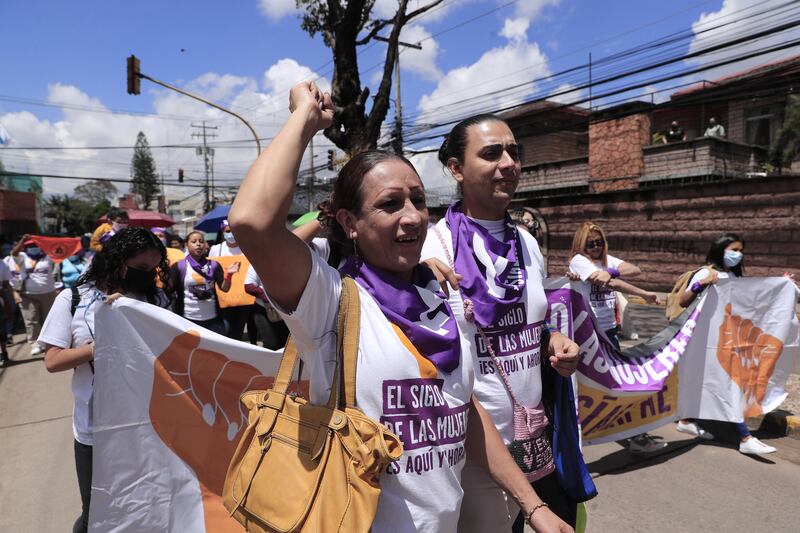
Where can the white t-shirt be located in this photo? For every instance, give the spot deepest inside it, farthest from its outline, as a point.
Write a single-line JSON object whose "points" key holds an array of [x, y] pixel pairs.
{"points": [[194, 308], [15, 271], [515, 342], [602, 299], [251, 278], [5, 272], [223, 250], [64, 330], [703, 273], [427, 409], [322, 247], [40, 276]]}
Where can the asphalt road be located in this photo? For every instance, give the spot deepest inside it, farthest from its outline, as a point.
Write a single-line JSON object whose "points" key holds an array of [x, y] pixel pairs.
{"points": [[690, 486]]}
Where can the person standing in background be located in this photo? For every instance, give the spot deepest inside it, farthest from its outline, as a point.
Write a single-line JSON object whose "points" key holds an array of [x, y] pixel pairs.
{"points": [[117, 220], [38, 289], [235, 317], [714, 129]]}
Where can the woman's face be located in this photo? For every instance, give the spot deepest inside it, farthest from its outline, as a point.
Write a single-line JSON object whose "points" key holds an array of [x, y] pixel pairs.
{"points": [[490, 172], [392, 224], [595, 244], [196, 245], [147, 260], [175, 243], [735, 246]]}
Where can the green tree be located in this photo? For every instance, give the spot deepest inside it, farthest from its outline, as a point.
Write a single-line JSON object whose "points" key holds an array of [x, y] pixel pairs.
{"points": [[346, 25], [144, 182], [786, 146], [73, 216], [95, 192]]}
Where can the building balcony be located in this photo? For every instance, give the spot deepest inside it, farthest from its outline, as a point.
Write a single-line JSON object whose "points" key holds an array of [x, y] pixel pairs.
{"points": [[704, 158], [555, 176]]}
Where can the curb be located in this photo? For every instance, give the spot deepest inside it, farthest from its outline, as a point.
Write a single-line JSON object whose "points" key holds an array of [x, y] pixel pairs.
{"points": [[779, 422]]}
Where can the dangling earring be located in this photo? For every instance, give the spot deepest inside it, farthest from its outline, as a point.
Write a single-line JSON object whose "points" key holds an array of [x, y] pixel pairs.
{"points": [[355, 249]]}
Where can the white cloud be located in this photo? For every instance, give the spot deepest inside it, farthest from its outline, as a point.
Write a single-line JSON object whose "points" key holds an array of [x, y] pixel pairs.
{"points": [[516, 30], [384, 9], [530, 9], [422, 62], [482, 86], [276, 9], [744, 18], [439, 184], [170, 124]]}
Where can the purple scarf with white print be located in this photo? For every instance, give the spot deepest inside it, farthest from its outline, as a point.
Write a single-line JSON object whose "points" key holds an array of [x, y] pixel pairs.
{"points": [[204, 268], [492, 274], [434, 332]]}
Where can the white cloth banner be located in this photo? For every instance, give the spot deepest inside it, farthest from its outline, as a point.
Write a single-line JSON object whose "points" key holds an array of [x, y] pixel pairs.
{"points": [[167, 419], [736, 348]]}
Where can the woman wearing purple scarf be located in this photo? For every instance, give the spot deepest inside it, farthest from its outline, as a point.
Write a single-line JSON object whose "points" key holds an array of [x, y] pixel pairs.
{"points": [[410, 372], [501, 308]]}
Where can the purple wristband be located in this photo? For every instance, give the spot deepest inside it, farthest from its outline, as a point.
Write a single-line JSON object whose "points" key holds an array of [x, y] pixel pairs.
{"points": [[613, 271], [697, 287]]}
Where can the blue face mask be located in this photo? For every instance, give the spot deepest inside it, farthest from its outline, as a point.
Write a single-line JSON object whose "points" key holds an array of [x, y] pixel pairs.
{"points": [[732, 258], [228, 237], [34, 251]]}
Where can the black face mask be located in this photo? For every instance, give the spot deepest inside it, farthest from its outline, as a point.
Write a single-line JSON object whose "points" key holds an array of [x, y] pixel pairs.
{"points": [[137, 280]]}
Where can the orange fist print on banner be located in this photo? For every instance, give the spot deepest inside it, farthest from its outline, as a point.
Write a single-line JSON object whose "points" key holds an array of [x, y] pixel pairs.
{"points": [[195, 410], [749, 355]]}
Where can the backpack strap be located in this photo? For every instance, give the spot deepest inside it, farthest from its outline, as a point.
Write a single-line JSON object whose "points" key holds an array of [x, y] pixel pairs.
{"points": [[76, 299]]}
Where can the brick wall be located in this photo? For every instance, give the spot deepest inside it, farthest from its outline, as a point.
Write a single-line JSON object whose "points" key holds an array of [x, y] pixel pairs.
{"points": [[668, 231], [735, 126], [615, 152], [555, 146], [569, 173], [19, 212]]}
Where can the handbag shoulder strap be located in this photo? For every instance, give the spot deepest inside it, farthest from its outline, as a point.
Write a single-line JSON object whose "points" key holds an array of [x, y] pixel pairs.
{"points": [[347, 349], [347, 346]]}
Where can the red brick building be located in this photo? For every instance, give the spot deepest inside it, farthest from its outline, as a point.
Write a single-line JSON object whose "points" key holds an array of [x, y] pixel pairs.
{"points": [[662, 204], [19, 212]]}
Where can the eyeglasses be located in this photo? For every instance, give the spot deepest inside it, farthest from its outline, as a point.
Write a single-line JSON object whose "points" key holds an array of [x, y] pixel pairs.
{"points": [[599, 243]]}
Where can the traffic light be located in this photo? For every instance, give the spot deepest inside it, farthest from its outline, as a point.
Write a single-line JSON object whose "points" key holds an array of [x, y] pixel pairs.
{"points": [[331, 159], [180, 175], [134, 73]]}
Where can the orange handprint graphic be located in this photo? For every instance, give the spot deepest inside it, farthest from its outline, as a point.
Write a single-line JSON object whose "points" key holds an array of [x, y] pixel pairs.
{"points": [[195, 410], [748, 355]]}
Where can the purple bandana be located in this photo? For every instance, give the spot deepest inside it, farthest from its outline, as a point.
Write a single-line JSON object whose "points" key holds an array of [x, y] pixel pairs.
{"points": [[434, 333], [491, 278], [205, 269]]}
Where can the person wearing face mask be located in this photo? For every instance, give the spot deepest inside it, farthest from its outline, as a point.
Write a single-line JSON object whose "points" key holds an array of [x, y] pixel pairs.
{"points": [[725, 259], [117, 221], [39, 281], [236, 316], [127, 265], [192, 282]]}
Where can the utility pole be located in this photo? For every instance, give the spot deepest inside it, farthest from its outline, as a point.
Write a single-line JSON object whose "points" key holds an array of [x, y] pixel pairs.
{"points": [[207, 154], [398, 118], [311, 177]]}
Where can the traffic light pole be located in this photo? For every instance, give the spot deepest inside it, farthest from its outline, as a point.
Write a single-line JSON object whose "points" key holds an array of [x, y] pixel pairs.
{"points": [[135, 72]]}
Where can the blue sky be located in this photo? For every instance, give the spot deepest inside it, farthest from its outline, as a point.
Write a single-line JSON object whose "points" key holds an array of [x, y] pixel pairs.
{"points": [[248, 53]]}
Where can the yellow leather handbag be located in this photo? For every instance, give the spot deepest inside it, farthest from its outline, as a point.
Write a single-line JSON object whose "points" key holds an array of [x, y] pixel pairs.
{"points": [[309, 468]]}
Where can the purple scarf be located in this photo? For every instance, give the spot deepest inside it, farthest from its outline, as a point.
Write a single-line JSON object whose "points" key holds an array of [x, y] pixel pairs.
{"points": [[434, 333], [205, 269], [487, 266]]}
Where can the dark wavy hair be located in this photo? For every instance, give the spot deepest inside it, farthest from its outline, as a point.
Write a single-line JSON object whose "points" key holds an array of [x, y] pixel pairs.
{"points": [[717, 251], [347, 191], [104, 271]]}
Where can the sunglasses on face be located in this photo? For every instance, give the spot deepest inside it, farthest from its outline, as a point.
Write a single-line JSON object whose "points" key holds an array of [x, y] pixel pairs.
{"points": [[599, 243]]}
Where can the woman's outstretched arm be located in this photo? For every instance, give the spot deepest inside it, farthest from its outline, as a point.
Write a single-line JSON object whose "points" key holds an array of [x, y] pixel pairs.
{"points": [[259, 213]]}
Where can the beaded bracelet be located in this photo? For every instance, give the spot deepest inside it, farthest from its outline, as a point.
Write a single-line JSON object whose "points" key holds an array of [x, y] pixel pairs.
{"points": [[535, 508], [697, 287], [613, 271]]}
